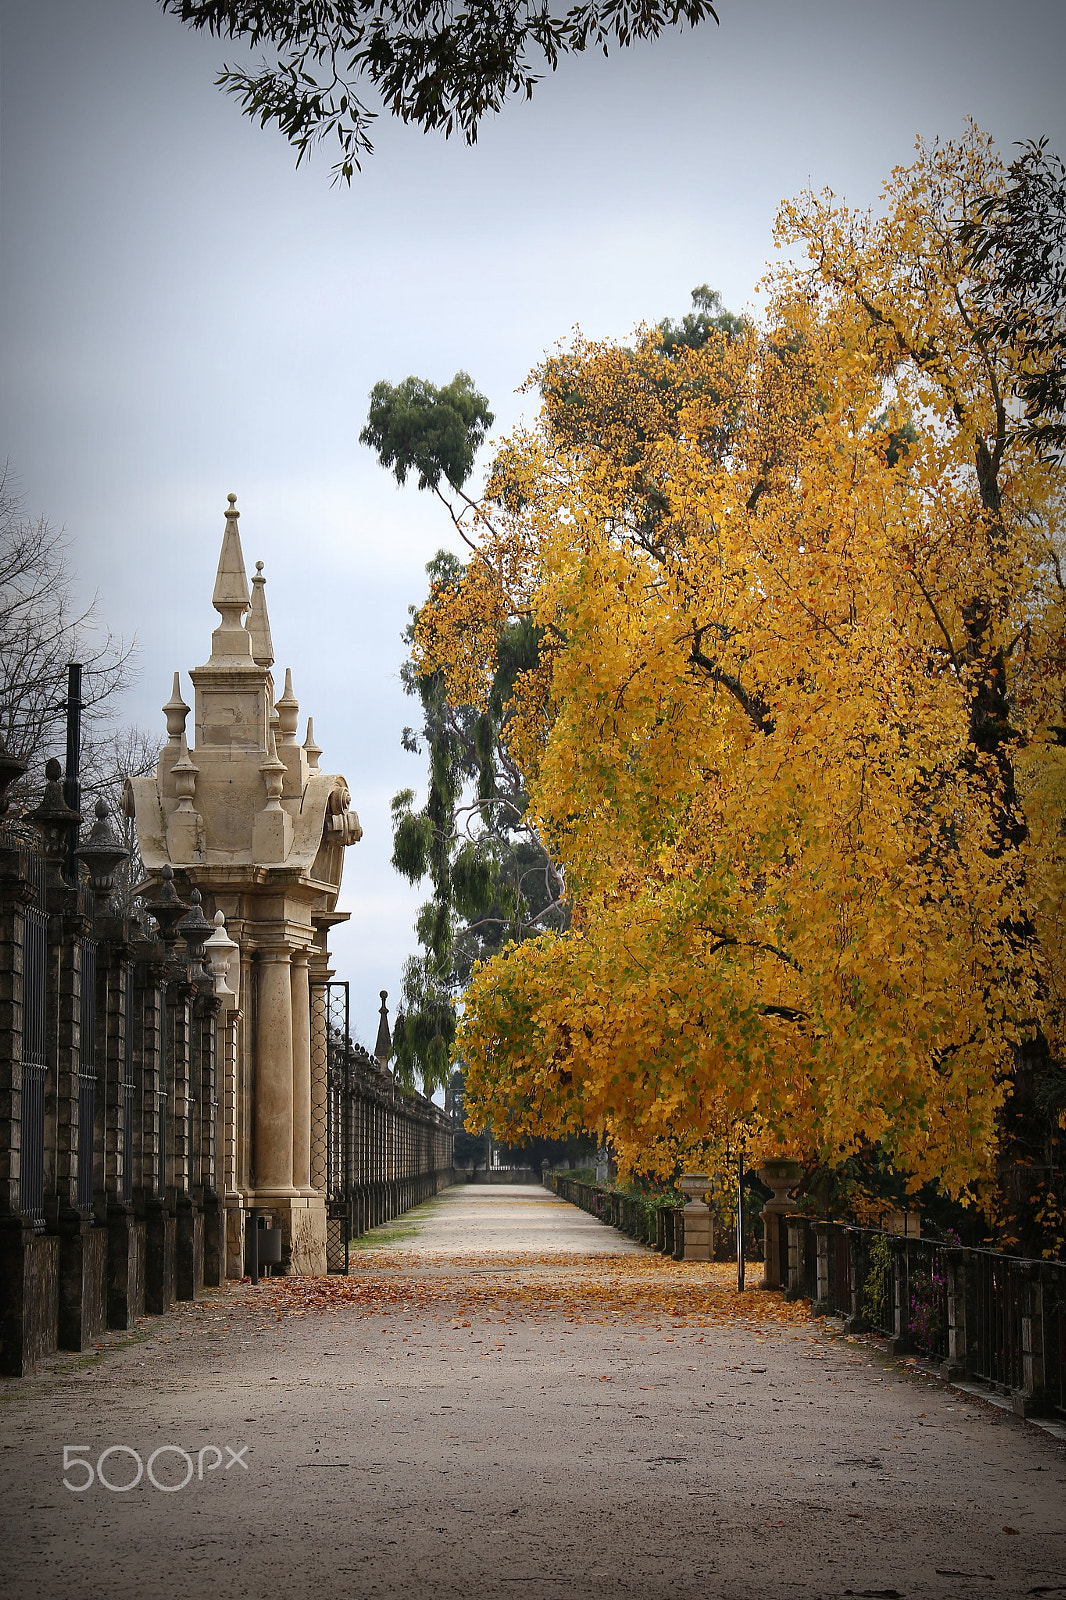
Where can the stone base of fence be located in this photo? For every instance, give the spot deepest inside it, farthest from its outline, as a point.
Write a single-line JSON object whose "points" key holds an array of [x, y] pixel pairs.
{"points": [[160, 1266], [29, 1310], [188, 1253], [82, 1284], [125, 1269], [214, 1216]]}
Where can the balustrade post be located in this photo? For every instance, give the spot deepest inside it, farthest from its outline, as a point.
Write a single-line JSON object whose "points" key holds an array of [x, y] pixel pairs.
{"points": [[1031, 1399]]}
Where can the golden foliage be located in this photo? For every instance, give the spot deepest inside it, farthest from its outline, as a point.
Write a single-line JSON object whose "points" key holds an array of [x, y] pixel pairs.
{"points": [[790, 738]]}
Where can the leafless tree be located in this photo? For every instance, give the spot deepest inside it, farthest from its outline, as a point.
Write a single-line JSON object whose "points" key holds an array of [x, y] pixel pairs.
{"points": [[42, 628]]}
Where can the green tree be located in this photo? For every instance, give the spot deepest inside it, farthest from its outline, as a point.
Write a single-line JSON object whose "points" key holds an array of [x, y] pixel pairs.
{"points": [[491, 879], [1017, 235], [435, 66]]}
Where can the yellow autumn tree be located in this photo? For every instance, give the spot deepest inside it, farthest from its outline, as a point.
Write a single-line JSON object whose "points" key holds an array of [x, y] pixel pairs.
{"points": [[792, 732]]}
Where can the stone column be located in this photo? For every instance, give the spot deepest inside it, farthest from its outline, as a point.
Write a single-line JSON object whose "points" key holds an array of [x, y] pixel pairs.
{"points": [[273, 1073], [301, 1071]]}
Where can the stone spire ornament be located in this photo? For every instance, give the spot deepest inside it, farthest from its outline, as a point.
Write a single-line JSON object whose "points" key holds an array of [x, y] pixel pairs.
{"points": [[231, 598], [176, 712], [383, 1042], [312, 750], [288, 710], [258, 623]]}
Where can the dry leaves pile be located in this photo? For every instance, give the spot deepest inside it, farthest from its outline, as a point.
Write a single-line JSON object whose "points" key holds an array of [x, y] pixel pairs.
{"points": [[589, 1290]]}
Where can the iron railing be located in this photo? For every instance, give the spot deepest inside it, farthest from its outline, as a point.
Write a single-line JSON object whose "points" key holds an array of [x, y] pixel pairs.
{"points": [[34, 1041], [375, 1149], [978, 1314], [87, 1075], [127, 1090]]}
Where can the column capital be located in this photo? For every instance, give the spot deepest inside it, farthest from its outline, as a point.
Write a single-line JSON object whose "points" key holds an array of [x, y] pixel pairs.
{"points": [[280, 953]]}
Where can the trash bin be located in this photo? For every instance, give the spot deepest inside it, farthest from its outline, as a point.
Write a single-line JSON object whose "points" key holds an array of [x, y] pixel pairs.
{"points": [[268, 1241]]}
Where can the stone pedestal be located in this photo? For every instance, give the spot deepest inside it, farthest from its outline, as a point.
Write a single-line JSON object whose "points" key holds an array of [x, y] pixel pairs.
{"points": [[302, 1220], [29, 1309], [160, 1236], [214, 1217], [235, 1220], [782, 1176], [697, 1218], [82, 1283], [125, 1269], [188, 1252]]}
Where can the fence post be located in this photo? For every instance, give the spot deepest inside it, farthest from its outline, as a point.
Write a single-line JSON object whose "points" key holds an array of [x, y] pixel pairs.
{"points": [[796, 1280], [901, 1342], [854, 1320], [822, 1300], [1030, 1400], [955, 1270]]}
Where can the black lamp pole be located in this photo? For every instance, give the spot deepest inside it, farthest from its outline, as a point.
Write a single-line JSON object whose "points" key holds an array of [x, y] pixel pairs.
{"points": [[740, 1216]]}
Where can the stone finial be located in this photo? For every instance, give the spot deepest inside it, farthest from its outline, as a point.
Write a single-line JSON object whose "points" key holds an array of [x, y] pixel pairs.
{"points": [[176, 712], [185, 827], [231, 598], [53, 819], [288, 710], [194, 929], [223, 956], [272, 828], [273, 772], [312, 750], [383, 1043], [167, 908], [258, 623], [185, 773], [103, 853]]}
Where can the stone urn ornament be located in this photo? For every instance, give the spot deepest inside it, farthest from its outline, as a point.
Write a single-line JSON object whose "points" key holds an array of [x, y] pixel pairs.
{"points": [[780, 1174]]}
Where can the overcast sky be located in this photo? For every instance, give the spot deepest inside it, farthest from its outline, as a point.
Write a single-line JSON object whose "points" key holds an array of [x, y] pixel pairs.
{"points": [[184, 314]]}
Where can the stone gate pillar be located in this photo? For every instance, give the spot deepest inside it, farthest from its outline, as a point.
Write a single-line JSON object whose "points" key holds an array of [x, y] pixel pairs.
{"points": [[243, 813]]}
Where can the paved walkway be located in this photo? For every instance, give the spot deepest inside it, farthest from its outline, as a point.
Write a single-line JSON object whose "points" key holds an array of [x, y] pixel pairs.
{"points": [[551, 1414]]}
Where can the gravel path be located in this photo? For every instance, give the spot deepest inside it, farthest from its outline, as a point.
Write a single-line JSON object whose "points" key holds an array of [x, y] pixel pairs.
{"points": [[643, 1432]]}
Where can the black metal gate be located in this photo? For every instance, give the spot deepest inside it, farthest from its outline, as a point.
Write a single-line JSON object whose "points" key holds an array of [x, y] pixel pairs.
{"points": [[330, 1152]]}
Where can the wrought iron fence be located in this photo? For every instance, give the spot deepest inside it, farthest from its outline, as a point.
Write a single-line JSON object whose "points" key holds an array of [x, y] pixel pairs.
{"points": [[34, 1039], [87, 1074], [127, 1091], [976, 1313]]}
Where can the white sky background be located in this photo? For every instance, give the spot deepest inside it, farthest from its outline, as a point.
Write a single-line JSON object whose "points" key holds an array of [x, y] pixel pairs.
{"points": [[184, 314]]}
